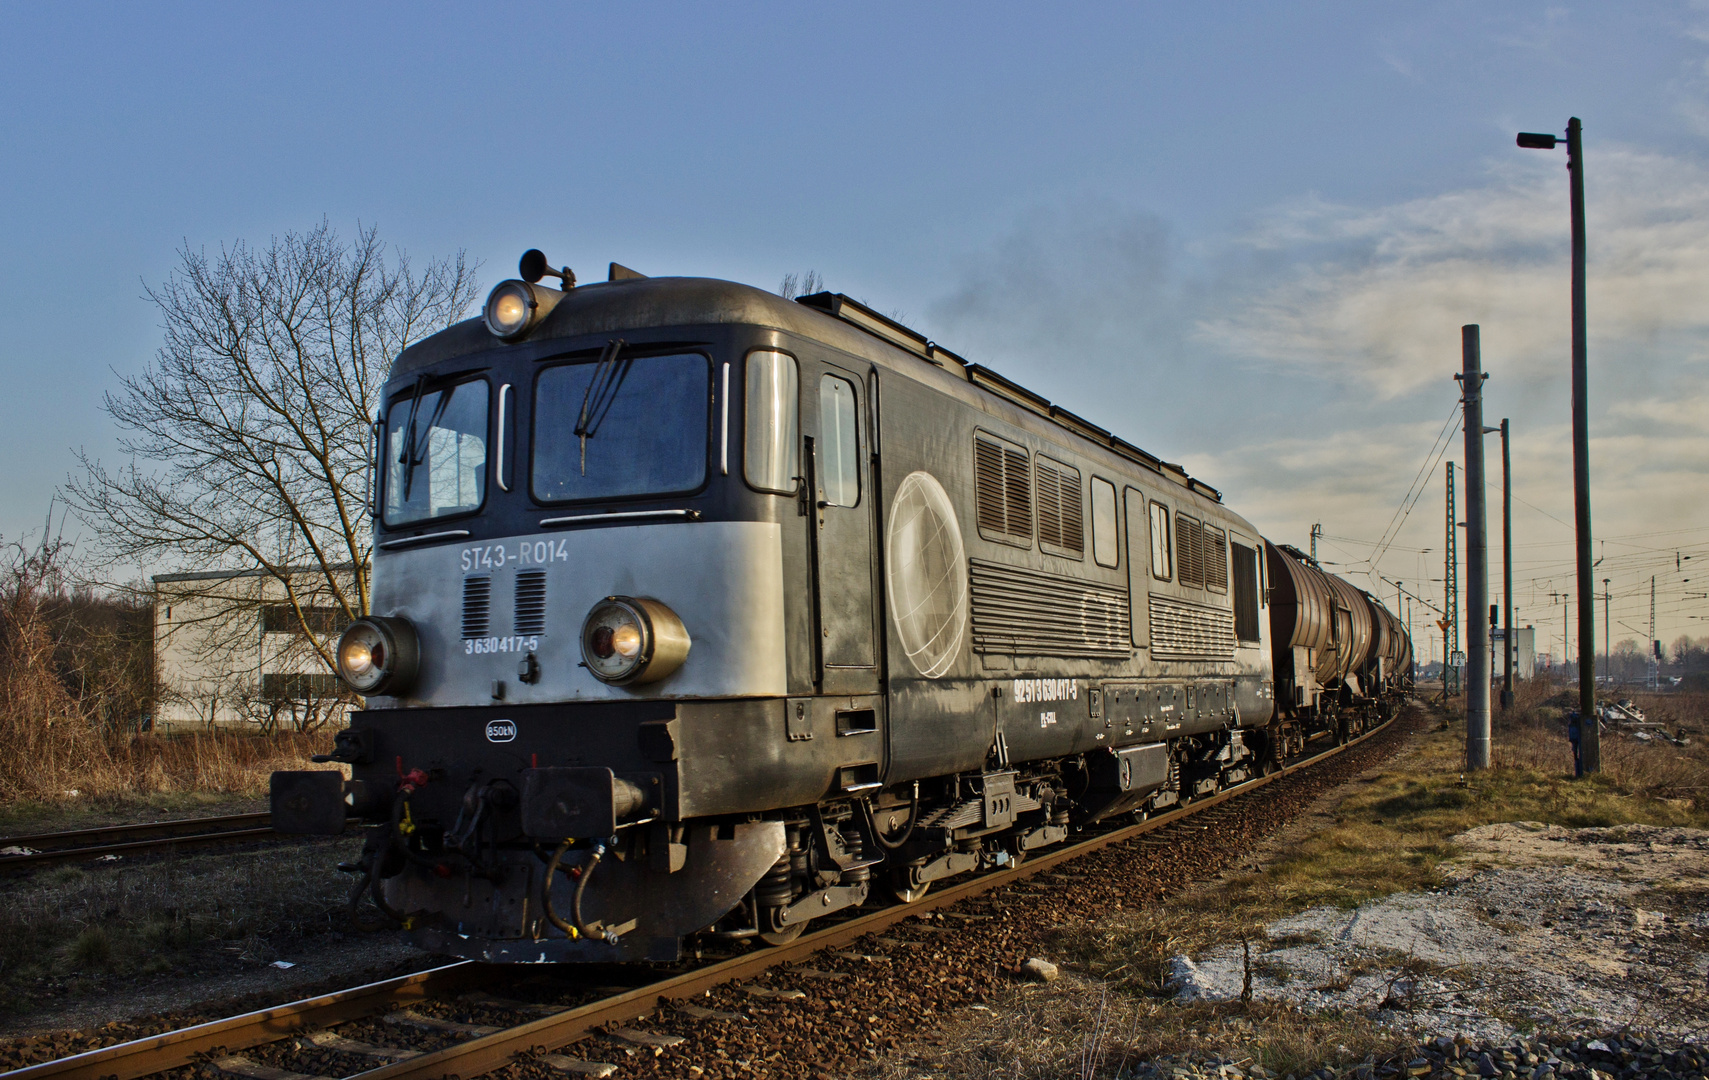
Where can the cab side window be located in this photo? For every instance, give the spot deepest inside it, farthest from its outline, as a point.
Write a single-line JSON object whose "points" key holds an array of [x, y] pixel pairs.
{"points": [[1162, 550]]}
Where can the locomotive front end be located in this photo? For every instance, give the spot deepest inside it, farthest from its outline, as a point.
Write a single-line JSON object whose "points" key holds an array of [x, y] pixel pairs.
{"points": [[576, 658]]}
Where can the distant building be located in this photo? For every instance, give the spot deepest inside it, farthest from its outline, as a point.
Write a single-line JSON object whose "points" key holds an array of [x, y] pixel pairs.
{"points": [[1524, 651], [230, 651]]}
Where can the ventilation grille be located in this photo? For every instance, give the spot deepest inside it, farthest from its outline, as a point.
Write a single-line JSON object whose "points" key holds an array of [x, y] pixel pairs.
{"points": [[1029, 613], [1190, 632], [1003, 495], [1189, 553], [530, 603], [1061, 522], [1213, 553], [477, 606]]}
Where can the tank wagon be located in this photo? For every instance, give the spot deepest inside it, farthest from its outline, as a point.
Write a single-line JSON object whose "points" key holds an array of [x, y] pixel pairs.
{"points": [[702, 611]]}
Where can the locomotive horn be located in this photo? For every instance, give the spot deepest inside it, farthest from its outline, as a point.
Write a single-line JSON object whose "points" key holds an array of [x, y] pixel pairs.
{"points": [[534, 266]]}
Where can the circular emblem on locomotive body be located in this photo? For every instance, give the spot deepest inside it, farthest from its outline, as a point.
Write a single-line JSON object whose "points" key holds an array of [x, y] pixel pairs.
{"points": [[927, 579]]}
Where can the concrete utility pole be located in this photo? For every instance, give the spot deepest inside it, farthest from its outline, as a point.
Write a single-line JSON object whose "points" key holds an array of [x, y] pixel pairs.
{"points": [[1451, 613], [1316, 531], [1590, 744], [1477, 556], [1506, 570]]}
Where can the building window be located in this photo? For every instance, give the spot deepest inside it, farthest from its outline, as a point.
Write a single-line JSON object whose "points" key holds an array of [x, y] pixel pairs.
{"points": [[306, 687], [282, 619]]}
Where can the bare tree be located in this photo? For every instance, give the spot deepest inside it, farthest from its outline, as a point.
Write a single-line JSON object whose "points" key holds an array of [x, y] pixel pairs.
{"points": [[249, 434], [805, 285]]}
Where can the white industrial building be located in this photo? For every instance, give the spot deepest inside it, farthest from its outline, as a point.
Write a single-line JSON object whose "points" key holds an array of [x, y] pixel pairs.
{"points": [[230, 651], [1524, 652]]}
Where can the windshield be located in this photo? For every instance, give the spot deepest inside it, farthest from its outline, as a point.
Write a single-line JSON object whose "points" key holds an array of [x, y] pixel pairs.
{"points": [[436, 453], [619, 427]]}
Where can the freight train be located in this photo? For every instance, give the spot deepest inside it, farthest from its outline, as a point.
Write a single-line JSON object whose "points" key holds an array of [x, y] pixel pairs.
{"points": [[702, 611]]}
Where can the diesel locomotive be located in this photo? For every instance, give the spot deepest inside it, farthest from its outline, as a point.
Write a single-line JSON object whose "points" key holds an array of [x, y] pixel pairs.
{"points": [[702, 611]]}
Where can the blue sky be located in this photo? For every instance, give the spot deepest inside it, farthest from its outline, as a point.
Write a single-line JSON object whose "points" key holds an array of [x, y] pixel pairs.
{"points": [[1242, 235]]}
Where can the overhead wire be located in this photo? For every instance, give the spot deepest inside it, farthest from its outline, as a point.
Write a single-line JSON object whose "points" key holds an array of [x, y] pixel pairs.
{"points": [[1415, 490]]}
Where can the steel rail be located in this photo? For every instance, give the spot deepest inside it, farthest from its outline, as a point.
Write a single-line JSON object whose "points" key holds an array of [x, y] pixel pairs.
{"points": [[42, 858], [80, 836], [144, 1057]]}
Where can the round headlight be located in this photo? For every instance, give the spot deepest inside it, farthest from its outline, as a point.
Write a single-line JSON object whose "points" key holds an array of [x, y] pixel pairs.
{"points": [[510, 308], [378, 655], [630, 639]]}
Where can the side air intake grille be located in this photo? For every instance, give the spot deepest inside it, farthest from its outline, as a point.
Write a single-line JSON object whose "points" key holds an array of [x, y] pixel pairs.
{"points": [[1003, 495], [1215, 552], [477, 606], [1203, 554], [1029, 613], [1061, 518], [1190, 632], [530, 603], [1189, 551]]}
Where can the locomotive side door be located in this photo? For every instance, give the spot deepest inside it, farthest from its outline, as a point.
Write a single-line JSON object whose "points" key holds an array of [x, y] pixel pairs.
{"points": [[835, 416]]}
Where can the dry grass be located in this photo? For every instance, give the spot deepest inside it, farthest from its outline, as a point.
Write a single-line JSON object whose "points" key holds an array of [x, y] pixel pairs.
{"points": [[208, 772], [60, 682], [1533, 735], [1079, 1028]]}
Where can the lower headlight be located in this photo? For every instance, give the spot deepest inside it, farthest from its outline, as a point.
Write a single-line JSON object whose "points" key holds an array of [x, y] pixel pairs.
{"points": [[378, 655], [630, 639]]}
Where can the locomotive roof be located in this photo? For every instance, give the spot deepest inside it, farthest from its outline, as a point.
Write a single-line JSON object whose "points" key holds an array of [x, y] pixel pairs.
{"points": [[836, 320]]}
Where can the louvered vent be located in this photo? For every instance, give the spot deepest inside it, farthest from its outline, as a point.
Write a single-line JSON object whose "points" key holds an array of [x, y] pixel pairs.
{"points": [[1189, 551], [1213, 553], [1061, 521], [477, 606], [1190, 632], [1003, 495], [1029, 613], [530, 617]]}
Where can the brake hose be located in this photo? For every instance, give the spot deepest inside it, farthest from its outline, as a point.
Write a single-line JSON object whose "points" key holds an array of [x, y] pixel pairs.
{"points": [[913, 819], [551, 915], [581, 887]]}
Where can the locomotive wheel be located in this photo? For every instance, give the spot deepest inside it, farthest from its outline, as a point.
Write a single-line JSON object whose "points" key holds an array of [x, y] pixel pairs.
{"points": [[784, 936], [898, 884]]}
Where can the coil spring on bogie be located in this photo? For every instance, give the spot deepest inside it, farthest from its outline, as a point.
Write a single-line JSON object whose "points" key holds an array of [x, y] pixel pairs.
{"points": [[774, 889], [852, 843]]}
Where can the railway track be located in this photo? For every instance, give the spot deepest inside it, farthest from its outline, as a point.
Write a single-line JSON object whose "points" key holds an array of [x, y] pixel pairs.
{"points": [[45, 849], [383, 1036]]}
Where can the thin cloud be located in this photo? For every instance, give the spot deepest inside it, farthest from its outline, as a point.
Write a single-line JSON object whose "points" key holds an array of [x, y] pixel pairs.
{"points": [[1377, 296]]}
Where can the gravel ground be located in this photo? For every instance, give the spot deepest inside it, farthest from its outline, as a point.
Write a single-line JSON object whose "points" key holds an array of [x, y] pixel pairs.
{"points": [[1544, 927], [1627, 1057]]}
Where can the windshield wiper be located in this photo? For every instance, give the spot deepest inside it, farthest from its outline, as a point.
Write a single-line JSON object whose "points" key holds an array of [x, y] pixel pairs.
{"points": [[602, 389], [415, 453]]}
